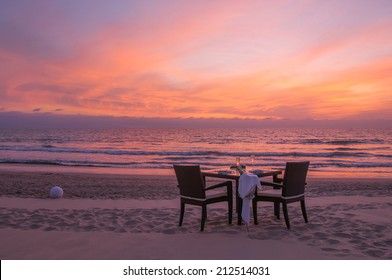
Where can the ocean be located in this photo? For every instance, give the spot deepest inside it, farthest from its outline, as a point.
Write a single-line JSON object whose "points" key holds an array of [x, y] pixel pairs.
{"points": [[331, 152]]}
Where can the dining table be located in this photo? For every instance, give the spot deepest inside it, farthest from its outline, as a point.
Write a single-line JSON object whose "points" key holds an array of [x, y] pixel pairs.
{"points": [[229, 174]]}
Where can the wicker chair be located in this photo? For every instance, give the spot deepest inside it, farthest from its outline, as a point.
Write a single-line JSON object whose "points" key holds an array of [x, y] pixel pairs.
{"points": [[194, 191], [289, 189]]}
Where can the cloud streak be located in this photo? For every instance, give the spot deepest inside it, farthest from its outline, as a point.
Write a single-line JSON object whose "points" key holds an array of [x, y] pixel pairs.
{"points": [[201, 59]]}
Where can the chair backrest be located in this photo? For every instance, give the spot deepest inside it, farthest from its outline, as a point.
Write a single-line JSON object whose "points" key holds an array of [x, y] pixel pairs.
{"points": [[294, 178], [190, 181]]}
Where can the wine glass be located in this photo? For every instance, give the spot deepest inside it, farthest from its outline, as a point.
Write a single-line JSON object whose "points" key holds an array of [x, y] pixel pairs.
{"points": [[237, 160], [252, 160]]}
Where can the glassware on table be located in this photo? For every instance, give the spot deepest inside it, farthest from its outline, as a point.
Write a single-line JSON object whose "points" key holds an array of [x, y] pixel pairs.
{"points": [[252, 160], [237, 166], [237, 160]]}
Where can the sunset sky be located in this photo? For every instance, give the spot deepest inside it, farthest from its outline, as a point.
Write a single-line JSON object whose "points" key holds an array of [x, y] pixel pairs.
{"points": [[321, 60]]}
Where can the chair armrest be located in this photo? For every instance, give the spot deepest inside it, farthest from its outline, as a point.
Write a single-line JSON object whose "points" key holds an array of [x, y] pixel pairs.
{"points": [[278, 180], [275, 185], [223, 184]]}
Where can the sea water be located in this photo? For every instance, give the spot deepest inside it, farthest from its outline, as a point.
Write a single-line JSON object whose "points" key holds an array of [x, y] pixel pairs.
{"points": [[331, 152]]}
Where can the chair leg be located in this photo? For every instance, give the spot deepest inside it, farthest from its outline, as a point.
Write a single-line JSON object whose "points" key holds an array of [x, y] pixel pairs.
{"points": [[254, 207], [238, 209], [304, 211], [286, 214], [203, 216], [277, 209], [182, 213], [230, 205]]}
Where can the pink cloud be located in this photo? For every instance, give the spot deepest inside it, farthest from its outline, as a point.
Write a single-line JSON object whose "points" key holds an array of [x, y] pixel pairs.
{"points": [[196, 59]]}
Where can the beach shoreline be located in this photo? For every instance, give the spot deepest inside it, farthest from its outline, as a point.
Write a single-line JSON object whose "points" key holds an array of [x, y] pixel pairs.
{"points": [[118, 216], [342, 174], [84, 184]]}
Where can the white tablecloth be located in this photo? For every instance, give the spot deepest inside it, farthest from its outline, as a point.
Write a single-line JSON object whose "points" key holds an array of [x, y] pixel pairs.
{"points": [[246, 189]]}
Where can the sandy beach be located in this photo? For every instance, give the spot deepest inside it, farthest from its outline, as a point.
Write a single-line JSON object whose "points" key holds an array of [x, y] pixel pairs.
{"points": [[114, 216]]}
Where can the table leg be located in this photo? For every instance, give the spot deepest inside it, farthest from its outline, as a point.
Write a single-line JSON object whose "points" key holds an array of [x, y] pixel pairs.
{"points": [[238, 206], [276, 204]]}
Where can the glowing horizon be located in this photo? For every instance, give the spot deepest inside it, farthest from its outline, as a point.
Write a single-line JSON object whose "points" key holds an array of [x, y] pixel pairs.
{"points": [[180, 59]]}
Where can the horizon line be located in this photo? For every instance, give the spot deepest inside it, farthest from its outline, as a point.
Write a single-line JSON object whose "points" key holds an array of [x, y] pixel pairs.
{"points": [[14, 119]]}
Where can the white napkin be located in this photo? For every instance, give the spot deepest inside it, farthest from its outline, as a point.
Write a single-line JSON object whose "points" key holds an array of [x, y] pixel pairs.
{"points": [[246, 189]]}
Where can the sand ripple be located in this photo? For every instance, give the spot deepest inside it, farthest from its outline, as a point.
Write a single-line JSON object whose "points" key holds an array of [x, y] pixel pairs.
{"points": [[335, 229]]}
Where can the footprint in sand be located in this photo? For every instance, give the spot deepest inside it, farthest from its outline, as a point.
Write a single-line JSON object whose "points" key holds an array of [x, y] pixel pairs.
{"points": [[49, 229], [328, 249], [343, 235], [380, 227], [332, 241], [35, 226], [321, 235], [375, 253]]}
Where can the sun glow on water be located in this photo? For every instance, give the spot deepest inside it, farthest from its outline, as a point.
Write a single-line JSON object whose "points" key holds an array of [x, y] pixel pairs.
{"points": [[332, 153]]}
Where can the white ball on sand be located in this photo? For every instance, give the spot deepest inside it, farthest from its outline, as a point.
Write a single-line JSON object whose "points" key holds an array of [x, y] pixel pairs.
{"points": [[56, 192]]}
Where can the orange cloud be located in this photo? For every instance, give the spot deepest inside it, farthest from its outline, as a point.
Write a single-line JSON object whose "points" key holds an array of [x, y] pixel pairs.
{"points": [[211, 61]]}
